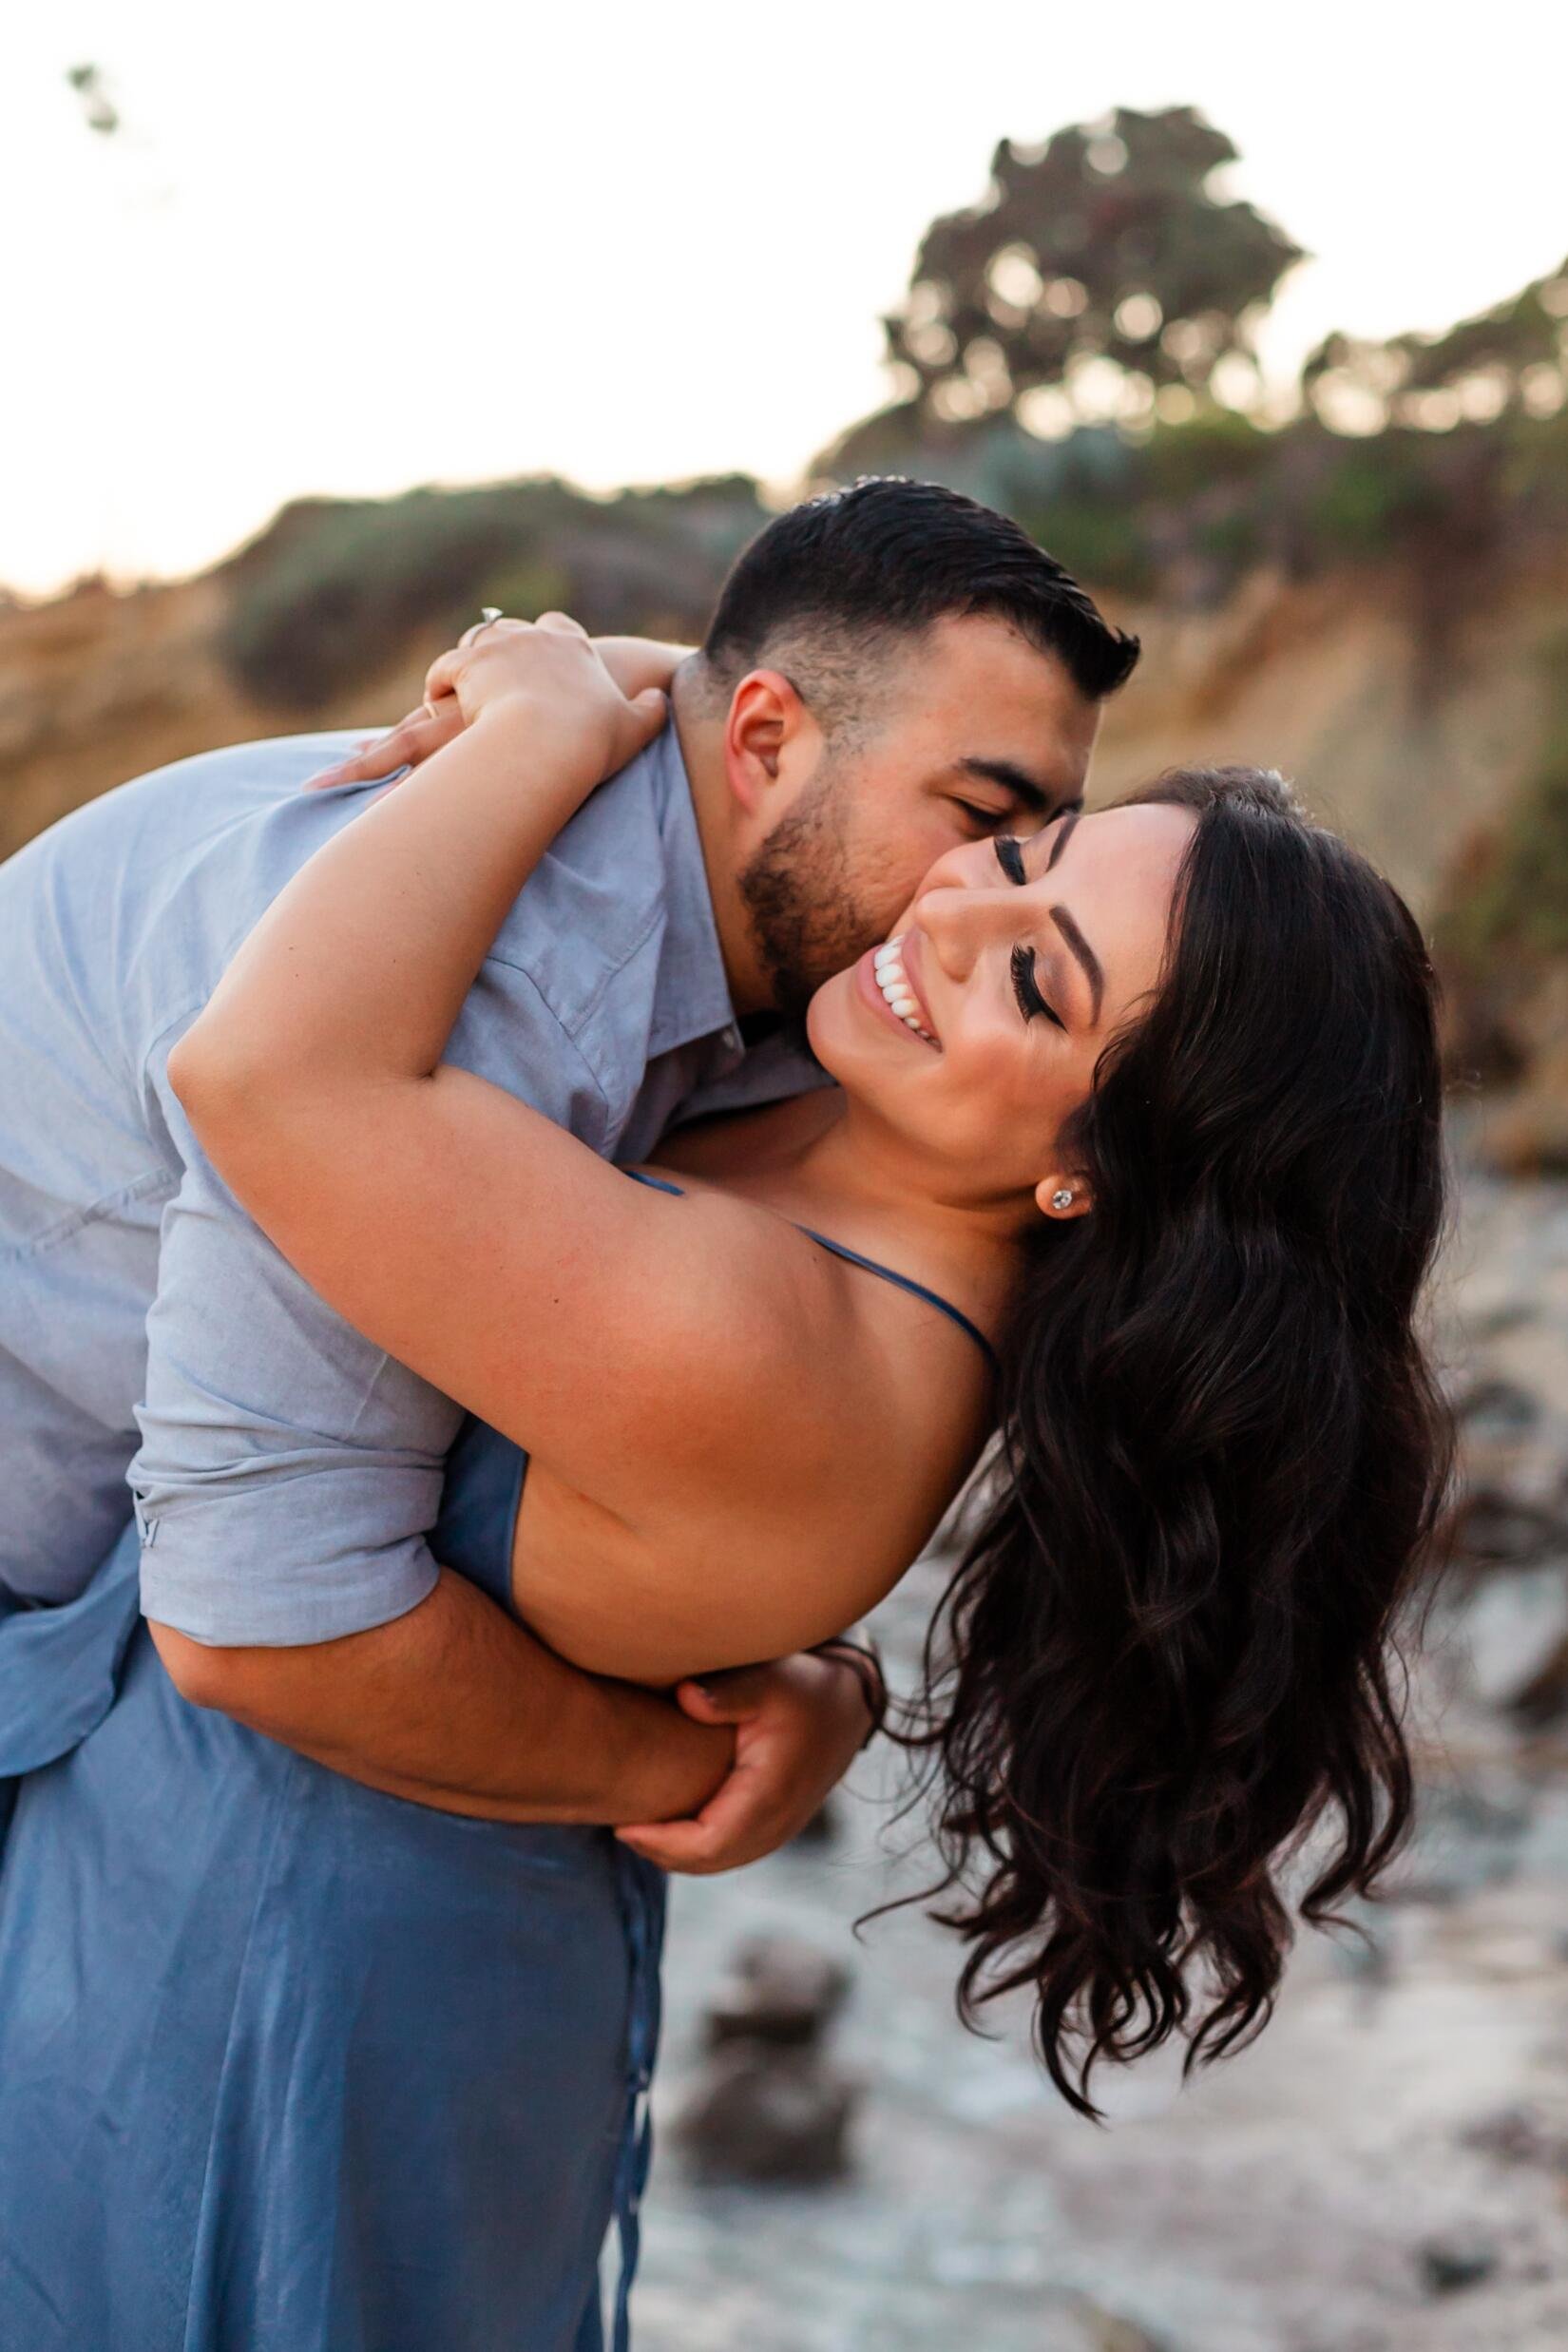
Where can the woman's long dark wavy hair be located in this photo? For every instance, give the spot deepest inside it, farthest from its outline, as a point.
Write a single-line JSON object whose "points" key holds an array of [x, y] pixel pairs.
{"points": [[1165, 1656]]}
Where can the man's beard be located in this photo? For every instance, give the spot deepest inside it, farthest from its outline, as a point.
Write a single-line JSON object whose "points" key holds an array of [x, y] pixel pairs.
{"points": [[796, 889]]}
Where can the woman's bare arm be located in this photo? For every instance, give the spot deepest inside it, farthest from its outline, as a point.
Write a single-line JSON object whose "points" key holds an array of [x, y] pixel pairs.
{"points": [[599, 1324]]}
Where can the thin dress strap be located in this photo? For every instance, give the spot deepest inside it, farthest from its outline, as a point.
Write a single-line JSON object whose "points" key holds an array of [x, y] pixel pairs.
{"points": [[854, 1257]]}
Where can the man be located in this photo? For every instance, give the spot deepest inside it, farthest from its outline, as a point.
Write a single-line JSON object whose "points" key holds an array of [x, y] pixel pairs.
{"points": [[888, 670]]}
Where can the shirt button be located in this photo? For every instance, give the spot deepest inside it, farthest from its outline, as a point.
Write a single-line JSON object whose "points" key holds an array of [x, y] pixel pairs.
{"points": [[731, 1038]]}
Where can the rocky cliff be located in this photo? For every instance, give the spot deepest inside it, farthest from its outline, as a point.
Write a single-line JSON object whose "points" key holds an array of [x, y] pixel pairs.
{"points": [[1413, 736]]}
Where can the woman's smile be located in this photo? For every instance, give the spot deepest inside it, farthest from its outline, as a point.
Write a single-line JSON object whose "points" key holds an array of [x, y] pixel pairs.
{"points": [[887, 983], [898, 977]]}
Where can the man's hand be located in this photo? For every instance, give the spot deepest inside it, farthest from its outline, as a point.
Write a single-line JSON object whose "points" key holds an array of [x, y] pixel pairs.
{"points": [[634, 663], [798, 1725]]}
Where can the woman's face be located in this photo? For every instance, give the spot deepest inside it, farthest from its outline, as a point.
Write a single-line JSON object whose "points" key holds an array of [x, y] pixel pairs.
{"points": [[974, 1033]]}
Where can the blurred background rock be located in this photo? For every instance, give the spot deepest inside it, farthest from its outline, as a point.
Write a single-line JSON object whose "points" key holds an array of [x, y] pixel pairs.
{"points": [[1362, 578]]}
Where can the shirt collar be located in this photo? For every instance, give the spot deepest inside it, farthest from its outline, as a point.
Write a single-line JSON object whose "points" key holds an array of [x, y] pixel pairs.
{"points": [[690, 994]]}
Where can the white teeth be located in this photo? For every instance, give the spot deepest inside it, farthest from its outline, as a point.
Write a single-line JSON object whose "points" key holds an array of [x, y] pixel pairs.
{"points": [[898, 996]]}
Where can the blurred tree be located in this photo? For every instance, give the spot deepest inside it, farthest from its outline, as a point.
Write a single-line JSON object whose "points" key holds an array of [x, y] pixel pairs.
{"points": [[1099, 271], [99, 108], [336, 590], [1509, 360]]}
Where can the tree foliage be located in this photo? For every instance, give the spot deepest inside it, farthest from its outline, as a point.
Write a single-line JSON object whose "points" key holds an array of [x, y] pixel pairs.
{"points": [[1111, 243], [1509, 360], [99, 110], [334, 589]]}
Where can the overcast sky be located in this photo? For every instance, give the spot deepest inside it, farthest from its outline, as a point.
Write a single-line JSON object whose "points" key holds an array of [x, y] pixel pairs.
{"points": [[348, 248]]}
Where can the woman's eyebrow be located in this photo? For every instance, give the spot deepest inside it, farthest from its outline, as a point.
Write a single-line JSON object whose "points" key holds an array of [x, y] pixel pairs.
{"points": [[1085, 955]]}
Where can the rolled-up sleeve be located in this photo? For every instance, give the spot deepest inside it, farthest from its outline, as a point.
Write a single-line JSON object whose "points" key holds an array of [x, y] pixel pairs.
{"points": [[289, 1471]]}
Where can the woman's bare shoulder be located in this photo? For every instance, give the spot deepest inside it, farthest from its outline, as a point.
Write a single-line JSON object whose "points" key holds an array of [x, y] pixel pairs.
{"points": [[809, 1426]]}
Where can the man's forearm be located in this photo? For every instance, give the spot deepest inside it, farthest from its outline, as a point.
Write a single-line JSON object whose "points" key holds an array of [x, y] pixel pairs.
{"points": [[458, 1707]]}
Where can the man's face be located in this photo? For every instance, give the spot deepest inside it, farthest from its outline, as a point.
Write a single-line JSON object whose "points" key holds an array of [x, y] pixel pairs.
{"points": [[972, 731]]}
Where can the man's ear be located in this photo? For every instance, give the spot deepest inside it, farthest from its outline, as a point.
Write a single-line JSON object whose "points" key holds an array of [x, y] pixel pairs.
{"points": [[1062, 1198], [767, 730]]}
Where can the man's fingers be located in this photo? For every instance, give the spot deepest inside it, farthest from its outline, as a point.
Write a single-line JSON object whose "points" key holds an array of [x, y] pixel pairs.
{"points": [[732, 1697], [733, 1828], [683, 1845]]}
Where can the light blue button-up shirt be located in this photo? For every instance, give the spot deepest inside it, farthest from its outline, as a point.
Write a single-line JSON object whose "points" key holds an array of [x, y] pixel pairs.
{"points": [[288, 1471]]}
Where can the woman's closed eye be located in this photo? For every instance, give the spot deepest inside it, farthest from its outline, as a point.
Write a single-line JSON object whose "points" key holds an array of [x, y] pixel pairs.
{"points": [[1009, 856], [1026, 989]]}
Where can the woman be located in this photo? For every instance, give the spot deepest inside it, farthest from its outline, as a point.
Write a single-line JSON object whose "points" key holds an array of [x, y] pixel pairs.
{"points": [[1134, 1152], [1150, 1105]]}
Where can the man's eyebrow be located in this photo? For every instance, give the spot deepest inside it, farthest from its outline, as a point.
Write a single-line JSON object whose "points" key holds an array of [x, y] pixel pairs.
{"points": [[1025, 788], [1084, 953]]}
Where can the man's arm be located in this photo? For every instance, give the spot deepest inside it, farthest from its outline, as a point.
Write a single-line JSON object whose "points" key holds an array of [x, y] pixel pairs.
{"points": [[456, 1706], [287, 1472]]}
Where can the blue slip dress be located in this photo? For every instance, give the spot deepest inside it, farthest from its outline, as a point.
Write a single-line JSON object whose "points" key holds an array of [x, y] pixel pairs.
{"points": [[287, 2065]]}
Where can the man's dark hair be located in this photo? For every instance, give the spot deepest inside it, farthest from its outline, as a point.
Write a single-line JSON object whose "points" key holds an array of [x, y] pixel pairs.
{"points": [[849, 573]]}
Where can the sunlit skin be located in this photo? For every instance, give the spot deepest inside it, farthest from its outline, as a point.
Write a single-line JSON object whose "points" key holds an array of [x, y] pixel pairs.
{"points": [[959, 731], [680, 1514], [737, 1441], [1026, 957], [970, 728], [931, 1158]]}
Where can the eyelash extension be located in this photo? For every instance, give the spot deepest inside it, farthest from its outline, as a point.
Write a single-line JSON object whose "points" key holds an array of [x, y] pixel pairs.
{"points": [[1009, 856], [1026, 989]]}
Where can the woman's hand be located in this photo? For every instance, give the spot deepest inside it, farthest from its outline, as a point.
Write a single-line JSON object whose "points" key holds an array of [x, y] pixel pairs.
{"points": [[353, 981], [549, 675], [636, 663]]}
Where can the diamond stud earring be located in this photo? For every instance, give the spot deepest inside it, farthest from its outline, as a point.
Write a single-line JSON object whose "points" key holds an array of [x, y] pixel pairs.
{"points": [[1061, 1200]]}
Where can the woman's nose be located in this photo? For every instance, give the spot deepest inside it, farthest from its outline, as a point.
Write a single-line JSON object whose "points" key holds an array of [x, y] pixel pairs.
{"points": [[960, 920]]}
